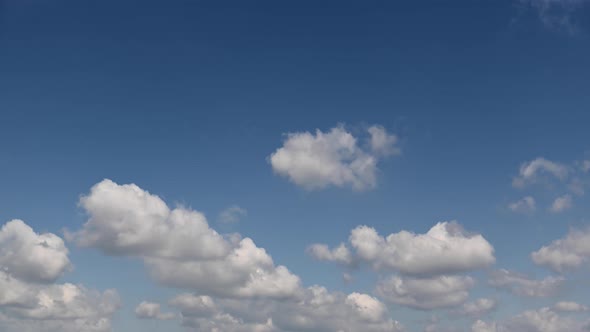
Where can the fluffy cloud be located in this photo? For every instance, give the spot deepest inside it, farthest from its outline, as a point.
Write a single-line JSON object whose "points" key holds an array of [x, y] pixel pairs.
{"points": [[426, 293], [523, 286], [177, 245], [478, 307], [29, 301], [151, 310], [340, 254], [531, 171], [29, 256], [445, 249], [540, 320], [333, 158], [317, 310], [566, 306], [562, 203], [232, 214], [525, 205], [569, 252]]}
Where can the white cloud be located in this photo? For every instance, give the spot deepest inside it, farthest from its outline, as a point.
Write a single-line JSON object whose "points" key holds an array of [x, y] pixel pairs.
{"points": [[525, 205], [569, 252], [30, 301], [521, 285], [566, 306], [177, 245], [232, 214], [445, 249], [478, 307], [562, 203], [540, 320], [317, 310], [33, 257], [151, 310], [586, 165], [340, 254], [333, 158], [531, 171], [426, 293]]}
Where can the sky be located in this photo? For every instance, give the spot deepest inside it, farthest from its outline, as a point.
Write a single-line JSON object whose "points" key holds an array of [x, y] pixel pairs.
{"points": [[294, 166]]}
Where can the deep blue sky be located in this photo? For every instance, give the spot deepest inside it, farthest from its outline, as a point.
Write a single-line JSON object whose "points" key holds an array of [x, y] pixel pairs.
{"points": [[187, 99]]}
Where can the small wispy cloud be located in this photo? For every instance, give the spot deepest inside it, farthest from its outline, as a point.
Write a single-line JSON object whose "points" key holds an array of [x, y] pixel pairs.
{"points": [[232, 214]]}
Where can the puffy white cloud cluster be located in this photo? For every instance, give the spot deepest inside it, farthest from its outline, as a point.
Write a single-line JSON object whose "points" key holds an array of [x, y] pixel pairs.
{"points": [[540, 320], [426, 293], [151, 310], [231, 274], [568, 306], [566, 253], [31, 301], [29, 256], [523, 286], [427, 264], [316, 310], [446, 248], [333, 158], [177, 245], [478, 307]]}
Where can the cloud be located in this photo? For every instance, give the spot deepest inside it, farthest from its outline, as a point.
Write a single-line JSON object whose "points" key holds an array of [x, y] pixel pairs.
{"points": [[540, 320], [561, 204], [567, 253], [177, 245], [565, 306], [29, 298], [426, 293], [531, 171], [29, 256], [556, 14], [521, 285], [478, 307], [525, 205], [151, 310], [445, 249], [340, 254], [333, 158], [317, 310], [232, 214]]}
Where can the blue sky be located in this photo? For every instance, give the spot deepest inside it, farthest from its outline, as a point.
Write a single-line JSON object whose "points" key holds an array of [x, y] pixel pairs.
{"points": [[190, 101]]}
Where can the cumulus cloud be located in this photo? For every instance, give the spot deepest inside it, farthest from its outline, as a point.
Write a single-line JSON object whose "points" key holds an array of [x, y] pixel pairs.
{"points": [[177, 245], [445, 249], [478, 307], [540, 320], [151, 310], [521, 285], [561, 204], [30, 301], [426, 293], [525, 205], [532, 171], [29, 256], [568, 306], [567, 253], [340, 254], [317, 310], [333, 158], [232, 214]]}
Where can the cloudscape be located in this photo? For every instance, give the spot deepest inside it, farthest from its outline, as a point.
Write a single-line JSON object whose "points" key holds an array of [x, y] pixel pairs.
{"points": [[285, 166]]}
